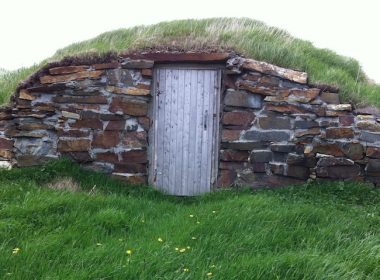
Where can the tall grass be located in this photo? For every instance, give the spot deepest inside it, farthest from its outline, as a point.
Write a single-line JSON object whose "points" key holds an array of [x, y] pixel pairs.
{"points": [[249, 37], [315, 231]]}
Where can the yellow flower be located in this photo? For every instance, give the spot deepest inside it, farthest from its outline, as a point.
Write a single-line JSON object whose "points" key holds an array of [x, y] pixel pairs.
{"points": [[194, 238], [99, 244], [213, 266], [191, 216], [176, 249], [182, 250], [16, 251], [143, 221], [120, 239], [188, 247], [209, 274], [214, 212], [160, 239], [185, 269], [198, 222], [129, 252]]}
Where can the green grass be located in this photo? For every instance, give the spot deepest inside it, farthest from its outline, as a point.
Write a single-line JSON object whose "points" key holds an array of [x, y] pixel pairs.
{"points": [[249, 37], [315, 231]]}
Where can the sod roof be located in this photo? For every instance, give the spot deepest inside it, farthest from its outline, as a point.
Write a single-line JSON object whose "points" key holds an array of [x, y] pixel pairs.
{"points": [[248, 37]]}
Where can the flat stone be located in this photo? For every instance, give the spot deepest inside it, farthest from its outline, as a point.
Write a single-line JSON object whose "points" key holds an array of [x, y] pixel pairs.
{"points": [[339, 132], [303, 96], [107, 157], [81, 99], [244, 146], [88, 123], [287, 108], [110, 117], [131, 179], [230, 135], [332, 161], [107, 139], [135, 139], [137, 64], [25, 95], [14, 133], [67, 69], [144, 122], [75, 145], [73, 133], [81, 157], [32, 160], [256, 77], [305, 124], [339, 172], [233, 155], [346, 120], [131, 168], [307, 132], [147, 72], [5, 154], [128, 90], [115, 125], [242, 99], [369, 137], [270, 69], [268, 80], [6, 143], [226, 178], [277, 168], [282, 148], [135, 156], [330, 97], [274, 123], [241, 118], [373, 152], [129, 107], [103, 167], [328, 149], [119, 77], [257, 88], [373, 167], [299, 172], [295, 159], [339, 107], [227, 165], [71, 77], [35, 146], [261, 156], [369, 110], [268, 136], [368, 125], [70, 115], [354, 151]]}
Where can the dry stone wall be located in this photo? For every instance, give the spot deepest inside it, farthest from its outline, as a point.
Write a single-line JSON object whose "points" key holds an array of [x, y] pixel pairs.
{"points": [[276, 129]]}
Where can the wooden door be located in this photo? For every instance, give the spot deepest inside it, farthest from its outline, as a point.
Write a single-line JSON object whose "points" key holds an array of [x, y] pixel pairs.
{"points": [[185, 127]]}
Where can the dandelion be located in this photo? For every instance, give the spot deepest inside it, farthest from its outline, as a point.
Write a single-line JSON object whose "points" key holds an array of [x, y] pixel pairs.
{"points": [[143, 221], [160, 239], [176, 248], [129, 252], [198, 222], [186, 269], [99, 244], [191, 216], [209, 274], [188, 247], [182, 250], [120, 239], [214, 212], [194, 238], [16, 251]]}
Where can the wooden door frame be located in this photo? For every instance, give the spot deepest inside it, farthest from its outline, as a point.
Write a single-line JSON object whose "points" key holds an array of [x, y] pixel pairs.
{"points": [[216, 124]]}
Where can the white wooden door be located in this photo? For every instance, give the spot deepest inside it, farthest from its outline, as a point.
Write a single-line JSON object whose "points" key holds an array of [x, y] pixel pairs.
{"points": [[185, 122]]}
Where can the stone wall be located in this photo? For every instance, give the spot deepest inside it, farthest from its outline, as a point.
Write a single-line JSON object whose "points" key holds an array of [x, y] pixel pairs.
{"points": [[280, 130], [276, 128]]}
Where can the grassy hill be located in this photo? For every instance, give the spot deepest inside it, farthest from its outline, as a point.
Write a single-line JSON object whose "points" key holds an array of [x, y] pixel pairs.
{"points": [[98, 228], [249, 37]]}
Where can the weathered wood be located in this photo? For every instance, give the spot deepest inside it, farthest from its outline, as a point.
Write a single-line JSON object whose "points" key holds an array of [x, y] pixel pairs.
{"points": [[185, 105]]}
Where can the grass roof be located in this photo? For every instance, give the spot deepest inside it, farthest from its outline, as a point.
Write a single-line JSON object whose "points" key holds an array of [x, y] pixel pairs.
{"points": [[249, 37]]}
